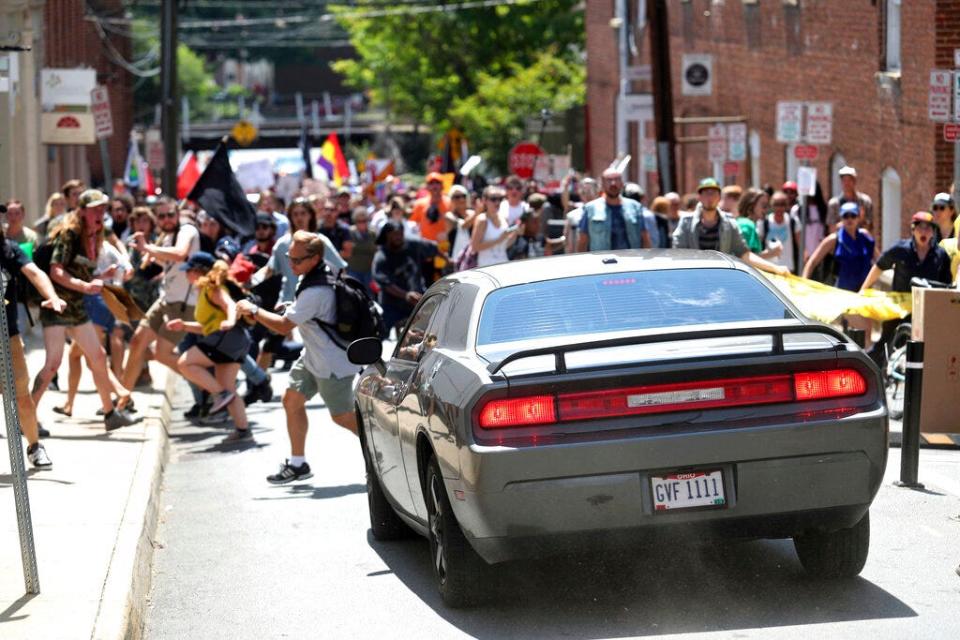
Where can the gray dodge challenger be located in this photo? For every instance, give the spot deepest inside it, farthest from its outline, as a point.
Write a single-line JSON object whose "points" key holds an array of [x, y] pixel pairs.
{"points": [[575, 402]]}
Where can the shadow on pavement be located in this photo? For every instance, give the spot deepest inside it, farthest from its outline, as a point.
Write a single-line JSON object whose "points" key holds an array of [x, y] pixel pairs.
{"points": [[34, 474], [647, 592], [7, 614], [317, 493]]}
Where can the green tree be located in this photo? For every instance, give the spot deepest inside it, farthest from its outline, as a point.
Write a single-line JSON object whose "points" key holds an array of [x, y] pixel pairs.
{"points": [[494, 116], [420, 67]]}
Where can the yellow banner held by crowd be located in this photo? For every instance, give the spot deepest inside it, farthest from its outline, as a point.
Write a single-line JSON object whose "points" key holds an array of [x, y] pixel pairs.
{"points": [[827, 304]]}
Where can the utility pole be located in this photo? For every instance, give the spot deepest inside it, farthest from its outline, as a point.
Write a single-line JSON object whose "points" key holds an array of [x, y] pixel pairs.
{"points": [[169, 104], [662, 93]]}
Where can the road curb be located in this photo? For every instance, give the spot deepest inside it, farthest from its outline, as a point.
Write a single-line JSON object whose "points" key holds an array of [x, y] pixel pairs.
{"points": [[124, 596]]}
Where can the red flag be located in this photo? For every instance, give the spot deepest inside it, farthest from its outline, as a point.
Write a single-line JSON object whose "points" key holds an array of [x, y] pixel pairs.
{"points": [[187, 175], [149, 186]]}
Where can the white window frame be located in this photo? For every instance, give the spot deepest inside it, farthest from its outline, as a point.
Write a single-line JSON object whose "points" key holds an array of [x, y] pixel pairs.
{"points": [[892, 207], [892, 31], [837, 162]]}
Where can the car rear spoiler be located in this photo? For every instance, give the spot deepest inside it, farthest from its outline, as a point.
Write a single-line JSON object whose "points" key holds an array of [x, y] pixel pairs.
{"points": [[777, 331]]}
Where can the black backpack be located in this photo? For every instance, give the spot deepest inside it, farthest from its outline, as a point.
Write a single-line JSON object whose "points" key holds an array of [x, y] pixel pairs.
{"points": [[357, 315]]}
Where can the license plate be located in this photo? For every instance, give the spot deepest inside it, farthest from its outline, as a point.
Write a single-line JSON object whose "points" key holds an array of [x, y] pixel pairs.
{"points": [[688, 490]]}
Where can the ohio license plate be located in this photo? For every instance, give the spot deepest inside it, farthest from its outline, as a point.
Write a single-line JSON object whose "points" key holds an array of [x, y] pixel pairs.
{"points": [[688, 490]]}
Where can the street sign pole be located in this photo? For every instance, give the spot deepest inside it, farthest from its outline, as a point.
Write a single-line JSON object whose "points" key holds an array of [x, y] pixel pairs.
{"points": [[28, 551], [105, 161], [168, 94]]}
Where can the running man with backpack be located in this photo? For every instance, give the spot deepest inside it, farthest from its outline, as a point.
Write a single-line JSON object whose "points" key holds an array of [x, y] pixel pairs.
{"points": [[323, 366]]}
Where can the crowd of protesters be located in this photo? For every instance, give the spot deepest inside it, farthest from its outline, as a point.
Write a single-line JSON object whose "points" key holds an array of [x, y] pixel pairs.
{"points": [[116, 280]]}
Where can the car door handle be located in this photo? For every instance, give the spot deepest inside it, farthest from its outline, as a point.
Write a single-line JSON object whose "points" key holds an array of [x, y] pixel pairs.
{"points": [[394, 391]]}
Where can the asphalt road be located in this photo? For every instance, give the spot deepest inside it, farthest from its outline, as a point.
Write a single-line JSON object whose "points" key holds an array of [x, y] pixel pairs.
{"points": [[238, 558]]}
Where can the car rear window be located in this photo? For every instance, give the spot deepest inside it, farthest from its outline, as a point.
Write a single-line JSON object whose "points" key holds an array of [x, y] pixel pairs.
{"points": [[625, 301]]}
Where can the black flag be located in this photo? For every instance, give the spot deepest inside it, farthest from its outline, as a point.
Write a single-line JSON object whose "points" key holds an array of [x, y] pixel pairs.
{"points": [[305, 150], [221, 196]]}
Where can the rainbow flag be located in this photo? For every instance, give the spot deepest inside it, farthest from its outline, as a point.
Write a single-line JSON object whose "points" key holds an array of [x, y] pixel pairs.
{"points": [[332, 161]]}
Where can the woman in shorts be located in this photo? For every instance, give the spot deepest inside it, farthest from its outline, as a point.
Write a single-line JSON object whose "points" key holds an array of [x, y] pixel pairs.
{"points": [[215, 318], [76, 242]]}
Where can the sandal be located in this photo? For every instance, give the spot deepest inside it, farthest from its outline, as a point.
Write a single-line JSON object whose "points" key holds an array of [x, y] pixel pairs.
{"points": [[63, 411]]}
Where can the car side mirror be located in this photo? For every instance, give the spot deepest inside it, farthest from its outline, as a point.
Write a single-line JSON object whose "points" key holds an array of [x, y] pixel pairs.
{"points": [[366, 351]]}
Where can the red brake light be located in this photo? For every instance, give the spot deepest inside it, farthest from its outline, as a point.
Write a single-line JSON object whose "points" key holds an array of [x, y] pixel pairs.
{"points": [[518, 412], [819, 385], [667, 398]]}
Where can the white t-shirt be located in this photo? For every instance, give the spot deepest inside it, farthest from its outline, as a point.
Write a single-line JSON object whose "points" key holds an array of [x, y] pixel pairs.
{"points": [[175, 285], [510, 213], [110, 256], [781, 232], [321, 356]]}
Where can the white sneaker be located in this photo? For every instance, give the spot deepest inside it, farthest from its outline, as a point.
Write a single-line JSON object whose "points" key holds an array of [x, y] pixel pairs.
{"points": [[38, 457]]}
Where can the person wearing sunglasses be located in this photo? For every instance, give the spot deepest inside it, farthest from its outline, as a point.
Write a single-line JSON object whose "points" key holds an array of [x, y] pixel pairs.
{"points": [[852, 249], [178, 296], [944, 215]]}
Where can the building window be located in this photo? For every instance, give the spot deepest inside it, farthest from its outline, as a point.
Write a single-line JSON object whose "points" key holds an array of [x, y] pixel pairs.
{"points": [[836, 163], [689, 15], [753, 23], [891, 35], [793, 24], [892, 203]]}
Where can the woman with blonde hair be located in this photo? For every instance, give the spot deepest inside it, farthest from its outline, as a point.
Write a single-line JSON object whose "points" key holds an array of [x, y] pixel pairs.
{"points": [[224, 344], [73, 263], [53, 212]]}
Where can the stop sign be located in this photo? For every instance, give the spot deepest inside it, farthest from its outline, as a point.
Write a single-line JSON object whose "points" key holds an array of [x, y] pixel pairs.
{"points": [[522, 159]]}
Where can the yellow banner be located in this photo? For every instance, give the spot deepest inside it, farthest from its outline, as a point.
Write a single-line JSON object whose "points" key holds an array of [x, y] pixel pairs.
{"points": [[826, 304]]}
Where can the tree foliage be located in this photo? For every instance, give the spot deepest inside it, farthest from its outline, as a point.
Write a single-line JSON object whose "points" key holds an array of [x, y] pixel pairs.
{"points": [[494, 116], [433, 69]]}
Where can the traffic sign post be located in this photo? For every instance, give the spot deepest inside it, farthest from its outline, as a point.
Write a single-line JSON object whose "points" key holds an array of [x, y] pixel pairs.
{"points": [[938, 97], [737, 142], [819, 123], [805, 152], [789, 122], [103, 128]]}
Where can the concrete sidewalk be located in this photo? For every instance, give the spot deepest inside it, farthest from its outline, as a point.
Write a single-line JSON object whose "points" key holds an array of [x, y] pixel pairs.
{"points": [[94, 514]]}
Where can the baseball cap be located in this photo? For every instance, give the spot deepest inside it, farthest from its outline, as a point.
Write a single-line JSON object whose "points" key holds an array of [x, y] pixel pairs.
{"points": [[343, 191], [921, 216], [433, 176], [266, 218], [199, 260], [708, 183], [789, 185], [847, 170], [227, 249], [849, 209], [943, 199], [92, 198]]}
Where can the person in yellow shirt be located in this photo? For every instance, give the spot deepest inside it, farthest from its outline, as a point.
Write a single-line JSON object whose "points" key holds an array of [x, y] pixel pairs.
{"points": [[223, 345]]}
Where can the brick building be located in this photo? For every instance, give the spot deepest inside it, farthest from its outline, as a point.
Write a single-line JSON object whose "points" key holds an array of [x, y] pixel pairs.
{"points": [[871, 58], [56, 34]]}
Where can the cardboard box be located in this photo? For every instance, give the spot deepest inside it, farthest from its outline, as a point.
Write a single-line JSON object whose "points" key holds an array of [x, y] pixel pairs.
{"points": [[936, 321]]}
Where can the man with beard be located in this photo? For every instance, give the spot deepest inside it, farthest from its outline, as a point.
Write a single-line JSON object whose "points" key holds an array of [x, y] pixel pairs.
{"points": [[612, 222], [430, 211], [177, 296], [708, 229]]}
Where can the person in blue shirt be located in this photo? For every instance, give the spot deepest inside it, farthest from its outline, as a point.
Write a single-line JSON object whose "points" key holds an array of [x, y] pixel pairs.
{"points": [[852, 248], [612, 222]]}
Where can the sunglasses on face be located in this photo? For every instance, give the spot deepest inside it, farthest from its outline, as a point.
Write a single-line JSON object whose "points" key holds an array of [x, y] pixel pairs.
{"points": [[161, 216], [495, 198], [849, 216], [458, 197], [264, 226], [939, 207], [923, 226], [296, 260]]}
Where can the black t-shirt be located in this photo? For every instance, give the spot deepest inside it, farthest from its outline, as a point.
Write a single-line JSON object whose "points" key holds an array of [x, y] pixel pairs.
{"points": [[403, 268], [12, 260], [338, 234], [903, 259]]}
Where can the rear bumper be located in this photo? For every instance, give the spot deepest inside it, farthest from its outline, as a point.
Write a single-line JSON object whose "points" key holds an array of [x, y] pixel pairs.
{"points": [[778, 481]]}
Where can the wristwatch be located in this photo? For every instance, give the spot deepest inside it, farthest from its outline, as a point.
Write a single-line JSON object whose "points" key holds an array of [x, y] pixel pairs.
{"points": [[256, 310]]}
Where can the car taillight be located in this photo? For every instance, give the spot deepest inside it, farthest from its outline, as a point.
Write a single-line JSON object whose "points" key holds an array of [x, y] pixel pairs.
{"points": [[670, 398], [518, 412], [819, 385]]}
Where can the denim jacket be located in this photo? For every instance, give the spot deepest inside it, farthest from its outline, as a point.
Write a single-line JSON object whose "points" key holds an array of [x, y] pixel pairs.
{"points": [[599, 223]]}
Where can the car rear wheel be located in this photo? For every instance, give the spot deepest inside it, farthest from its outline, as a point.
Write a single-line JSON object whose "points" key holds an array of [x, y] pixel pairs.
{"points": [[457, 567], [838, 554]]}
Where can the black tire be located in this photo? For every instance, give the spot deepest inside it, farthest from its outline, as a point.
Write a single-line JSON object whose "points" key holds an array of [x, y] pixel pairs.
{"points": [[459, 571], [838, 554], [384, 521]]}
